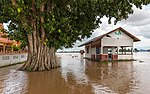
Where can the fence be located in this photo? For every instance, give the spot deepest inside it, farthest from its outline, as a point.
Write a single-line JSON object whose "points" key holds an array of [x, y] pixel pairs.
{"points": [[9, 58]]}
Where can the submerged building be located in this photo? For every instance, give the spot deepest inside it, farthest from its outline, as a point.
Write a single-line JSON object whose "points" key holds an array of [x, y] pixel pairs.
{"points": [[114, 45]]}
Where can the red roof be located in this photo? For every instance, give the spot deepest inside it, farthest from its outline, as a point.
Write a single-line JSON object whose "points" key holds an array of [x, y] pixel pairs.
{"points": [[135, 39], [5, 40]]}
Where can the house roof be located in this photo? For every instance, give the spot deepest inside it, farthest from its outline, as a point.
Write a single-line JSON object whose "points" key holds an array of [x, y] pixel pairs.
{"points": [[6, 40], [135, 39]]}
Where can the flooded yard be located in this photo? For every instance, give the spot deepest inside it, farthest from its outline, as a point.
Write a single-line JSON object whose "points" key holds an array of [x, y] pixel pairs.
{"points": [[79, 76]]}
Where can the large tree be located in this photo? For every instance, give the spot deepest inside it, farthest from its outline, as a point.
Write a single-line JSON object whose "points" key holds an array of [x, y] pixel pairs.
{"points": [[47, 25]]}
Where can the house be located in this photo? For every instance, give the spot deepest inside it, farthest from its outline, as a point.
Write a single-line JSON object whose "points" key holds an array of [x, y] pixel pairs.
{"points": [[5, 43], [114, 45]]}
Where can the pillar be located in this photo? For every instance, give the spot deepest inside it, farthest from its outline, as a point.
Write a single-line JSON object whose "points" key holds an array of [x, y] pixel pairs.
{"points": [[101, 50], [125, 50], [131, 50], [122, 49], [117, 49]]}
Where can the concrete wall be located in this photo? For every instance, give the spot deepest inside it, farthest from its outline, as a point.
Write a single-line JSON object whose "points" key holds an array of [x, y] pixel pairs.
{"points": [[12, 59], [125, 56], [88, 55], [117, 40], [93, 50]]}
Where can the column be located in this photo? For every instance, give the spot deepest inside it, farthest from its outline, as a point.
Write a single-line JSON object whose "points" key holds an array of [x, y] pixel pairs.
{"points": [[101, 50], [125, 50], [122, 49], [131, 50], [117, 49]]}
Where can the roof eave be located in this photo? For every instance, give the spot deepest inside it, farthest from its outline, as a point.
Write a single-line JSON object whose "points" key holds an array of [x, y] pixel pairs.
{"points": [[85, 44]]}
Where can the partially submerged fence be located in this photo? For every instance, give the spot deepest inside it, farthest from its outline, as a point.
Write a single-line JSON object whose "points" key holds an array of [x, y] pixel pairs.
{"points": [[12, 58]]}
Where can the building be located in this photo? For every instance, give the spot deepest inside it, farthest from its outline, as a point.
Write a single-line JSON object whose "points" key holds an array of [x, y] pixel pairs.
{"points": [[5, 43], [114, 45]]}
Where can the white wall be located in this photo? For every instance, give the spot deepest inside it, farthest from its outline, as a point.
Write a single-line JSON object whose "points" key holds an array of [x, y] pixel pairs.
{"points": [[125, 56], [88, 55], [117, 40], [93, 50], [12, 59]]}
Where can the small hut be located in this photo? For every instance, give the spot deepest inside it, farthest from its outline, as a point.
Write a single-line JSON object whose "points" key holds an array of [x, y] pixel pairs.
{"points": [[114, 45]]}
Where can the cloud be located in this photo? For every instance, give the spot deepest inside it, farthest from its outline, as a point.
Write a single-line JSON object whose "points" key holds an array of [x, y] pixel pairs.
{"points": [[137, 24], [140, 17]]}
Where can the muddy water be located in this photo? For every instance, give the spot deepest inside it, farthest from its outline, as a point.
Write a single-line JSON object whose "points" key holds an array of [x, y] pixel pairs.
{"points": [[78, 76]]}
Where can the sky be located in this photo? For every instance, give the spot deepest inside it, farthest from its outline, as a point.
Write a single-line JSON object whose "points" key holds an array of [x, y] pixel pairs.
{"points": [[137, 24]]}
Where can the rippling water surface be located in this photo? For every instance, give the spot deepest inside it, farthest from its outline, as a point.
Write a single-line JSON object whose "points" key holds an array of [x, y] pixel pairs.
{"points": [[78, 76]]}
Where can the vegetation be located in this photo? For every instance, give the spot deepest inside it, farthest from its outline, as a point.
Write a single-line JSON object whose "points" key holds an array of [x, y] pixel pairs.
{"points": [[136, 50], [15, 48], [47, 25]]}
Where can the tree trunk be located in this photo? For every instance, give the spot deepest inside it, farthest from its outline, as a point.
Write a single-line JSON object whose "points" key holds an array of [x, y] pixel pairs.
{"points": [[43, 59], [40, 56]]}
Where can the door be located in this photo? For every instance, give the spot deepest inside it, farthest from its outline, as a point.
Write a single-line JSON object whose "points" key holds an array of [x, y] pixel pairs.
{"points": [[109, 54]]}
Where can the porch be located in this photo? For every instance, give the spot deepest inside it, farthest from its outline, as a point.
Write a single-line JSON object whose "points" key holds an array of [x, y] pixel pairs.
{"points": [[105, 53]]}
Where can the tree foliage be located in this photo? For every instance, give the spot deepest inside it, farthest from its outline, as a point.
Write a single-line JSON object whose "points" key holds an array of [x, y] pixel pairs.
{"points": [[65, 21]]}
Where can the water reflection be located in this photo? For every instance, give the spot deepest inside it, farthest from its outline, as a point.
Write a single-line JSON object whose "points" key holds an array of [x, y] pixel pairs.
{"points": [[15, 82], [113, 77], [76, 76]]}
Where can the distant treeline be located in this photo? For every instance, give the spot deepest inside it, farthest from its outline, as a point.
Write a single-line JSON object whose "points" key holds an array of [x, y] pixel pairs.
{"points": [[68, 52], [141, 50]]}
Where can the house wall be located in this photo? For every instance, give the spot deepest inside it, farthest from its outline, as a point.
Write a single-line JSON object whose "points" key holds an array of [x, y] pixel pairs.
{"points": [[113, 50], [117, 40], [125, 57], [88, 55], [91, 51]]}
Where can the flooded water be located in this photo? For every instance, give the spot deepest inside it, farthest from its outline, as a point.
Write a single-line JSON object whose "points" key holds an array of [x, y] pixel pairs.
{"points": [[78, 76]]}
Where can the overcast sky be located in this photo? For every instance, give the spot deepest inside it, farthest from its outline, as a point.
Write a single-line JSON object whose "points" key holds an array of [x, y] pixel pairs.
{"points": [[137, 24]]}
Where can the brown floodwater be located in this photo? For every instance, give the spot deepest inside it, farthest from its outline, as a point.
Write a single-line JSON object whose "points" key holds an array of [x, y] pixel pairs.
{"points": [[79, 76]]}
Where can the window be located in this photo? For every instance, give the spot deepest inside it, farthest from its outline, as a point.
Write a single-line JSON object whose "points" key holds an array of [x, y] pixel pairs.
{"points": [[22, 56], [97, 50], [5, 58], [15, 57]]}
